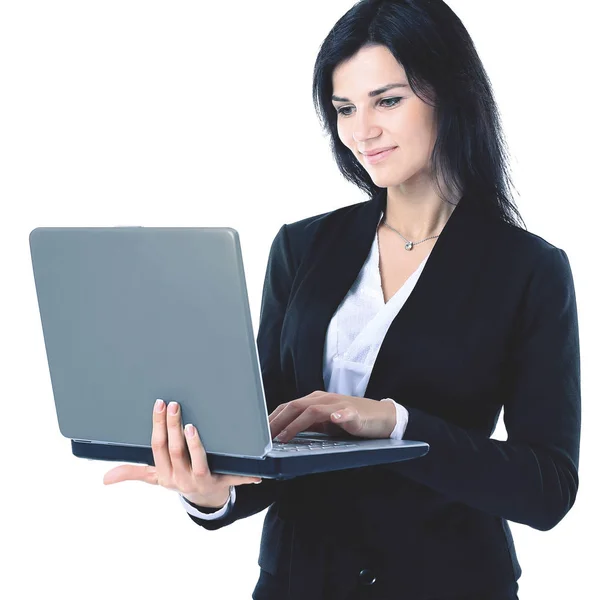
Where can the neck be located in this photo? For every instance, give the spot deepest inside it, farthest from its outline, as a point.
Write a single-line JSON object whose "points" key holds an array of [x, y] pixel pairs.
{"points": [[417, 219]]}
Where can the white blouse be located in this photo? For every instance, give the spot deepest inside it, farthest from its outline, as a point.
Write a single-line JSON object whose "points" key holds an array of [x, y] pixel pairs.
{"points": [[354, 336]]}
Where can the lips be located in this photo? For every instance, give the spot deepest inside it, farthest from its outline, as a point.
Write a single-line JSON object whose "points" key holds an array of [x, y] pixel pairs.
{"points": [[376, 152], [379, 156]]}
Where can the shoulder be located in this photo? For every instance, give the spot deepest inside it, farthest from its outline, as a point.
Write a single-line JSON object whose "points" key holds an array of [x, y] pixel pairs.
{"points": [[504, 233], [303, 233], [518, 244], [516, 254]]}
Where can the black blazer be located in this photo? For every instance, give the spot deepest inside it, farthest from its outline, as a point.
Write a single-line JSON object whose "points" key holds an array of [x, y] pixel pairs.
{"points": [[491, 322]]}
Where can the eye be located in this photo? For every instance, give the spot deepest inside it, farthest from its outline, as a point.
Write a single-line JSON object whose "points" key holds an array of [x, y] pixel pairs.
{"points": [[394, 102]]}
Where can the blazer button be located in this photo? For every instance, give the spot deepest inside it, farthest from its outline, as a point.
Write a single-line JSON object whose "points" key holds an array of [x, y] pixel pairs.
{"points": [[367, 577]]}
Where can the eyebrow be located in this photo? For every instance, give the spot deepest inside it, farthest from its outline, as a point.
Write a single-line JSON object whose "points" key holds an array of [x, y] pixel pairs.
{"points": [[376, 92]]}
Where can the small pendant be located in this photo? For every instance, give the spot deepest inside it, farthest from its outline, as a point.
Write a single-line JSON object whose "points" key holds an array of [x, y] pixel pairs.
{"points": [[408, 246]]}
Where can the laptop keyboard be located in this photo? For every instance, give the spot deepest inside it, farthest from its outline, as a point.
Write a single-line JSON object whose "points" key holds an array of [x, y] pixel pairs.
{"points": [[297, 444]]}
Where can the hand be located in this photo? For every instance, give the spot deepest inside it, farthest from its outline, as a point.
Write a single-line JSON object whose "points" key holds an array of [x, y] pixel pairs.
{"points": [[180, 461], [361, 417]]}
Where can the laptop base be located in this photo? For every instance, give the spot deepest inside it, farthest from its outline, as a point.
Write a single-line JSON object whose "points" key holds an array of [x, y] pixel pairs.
{"points": [[270, 467]]}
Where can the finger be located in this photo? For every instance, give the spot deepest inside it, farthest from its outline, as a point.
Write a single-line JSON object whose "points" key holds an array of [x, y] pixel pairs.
{"points": [[199, 462], [277, 411], [159, 441], [288, 412], [285, 417], [144, 473], [303, 401], [178, 452], [315, 413], [293, 409], [236, 479]]}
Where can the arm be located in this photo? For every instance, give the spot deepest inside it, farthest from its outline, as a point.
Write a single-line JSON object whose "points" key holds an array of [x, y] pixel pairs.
{"points": [[206, 512], [532, 477], [401, 420], [247, 500]]}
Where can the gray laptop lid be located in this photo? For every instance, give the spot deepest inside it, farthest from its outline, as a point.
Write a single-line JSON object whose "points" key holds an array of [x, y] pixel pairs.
{"points": [[132, 314]]}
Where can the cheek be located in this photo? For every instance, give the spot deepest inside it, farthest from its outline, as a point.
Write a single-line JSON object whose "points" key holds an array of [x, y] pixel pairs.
{"points": [[345, 134]]}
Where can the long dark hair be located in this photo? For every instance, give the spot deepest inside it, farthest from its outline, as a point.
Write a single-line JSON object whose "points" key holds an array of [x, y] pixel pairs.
{"points": [[440, 61]]}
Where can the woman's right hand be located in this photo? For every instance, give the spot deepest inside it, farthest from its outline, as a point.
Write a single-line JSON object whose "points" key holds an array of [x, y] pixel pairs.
{"points": [[180, 462]]}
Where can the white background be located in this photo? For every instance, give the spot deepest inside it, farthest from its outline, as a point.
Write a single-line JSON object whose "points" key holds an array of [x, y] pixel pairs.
{"points": [[200, 114]]}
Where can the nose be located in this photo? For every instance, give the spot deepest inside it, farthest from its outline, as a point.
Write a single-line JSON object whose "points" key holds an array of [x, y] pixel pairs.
{"points": [[365, 128]]}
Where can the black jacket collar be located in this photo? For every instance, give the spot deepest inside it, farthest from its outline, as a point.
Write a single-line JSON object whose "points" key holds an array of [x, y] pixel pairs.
{"points": [[335, 260]]}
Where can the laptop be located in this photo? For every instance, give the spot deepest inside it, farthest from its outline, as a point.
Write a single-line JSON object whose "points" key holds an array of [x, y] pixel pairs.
{"points": [[132, 314]]}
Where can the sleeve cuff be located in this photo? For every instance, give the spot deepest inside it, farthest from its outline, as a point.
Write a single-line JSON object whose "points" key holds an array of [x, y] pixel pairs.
{"points": [[401, 420], [192, 510]]}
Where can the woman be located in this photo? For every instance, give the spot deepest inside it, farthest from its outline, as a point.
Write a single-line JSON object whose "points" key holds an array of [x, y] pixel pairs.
{"points": [[430, 296]]}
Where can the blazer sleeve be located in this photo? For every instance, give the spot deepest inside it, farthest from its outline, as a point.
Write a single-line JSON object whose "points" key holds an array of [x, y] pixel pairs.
{"points": [[253, 498], [532, 477]]}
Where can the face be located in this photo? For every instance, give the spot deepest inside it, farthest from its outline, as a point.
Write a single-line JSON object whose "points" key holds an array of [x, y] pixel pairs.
{"points": [[394, 117]]}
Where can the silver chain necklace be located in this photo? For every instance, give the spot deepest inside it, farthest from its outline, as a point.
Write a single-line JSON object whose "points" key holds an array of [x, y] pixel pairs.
{"points": [[409, 245]]}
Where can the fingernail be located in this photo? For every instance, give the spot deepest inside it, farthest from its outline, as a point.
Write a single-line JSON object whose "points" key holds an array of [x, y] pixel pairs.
{"points": [[336, 415], [159, 405], [172, 408], [189, 430]]}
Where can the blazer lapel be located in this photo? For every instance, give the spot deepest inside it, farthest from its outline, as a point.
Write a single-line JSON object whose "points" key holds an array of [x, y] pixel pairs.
{"points": [[334, 262], [438, 304]]}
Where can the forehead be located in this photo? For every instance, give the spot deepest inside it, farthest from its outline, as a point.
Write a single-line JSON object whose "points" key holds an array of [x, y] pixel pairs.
{"points": [[369, 68]]}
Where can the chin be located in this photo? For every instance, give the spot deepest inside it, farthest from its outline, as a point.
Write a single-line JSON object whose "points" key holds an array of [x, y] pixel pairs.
{"points": [[383, 180]]}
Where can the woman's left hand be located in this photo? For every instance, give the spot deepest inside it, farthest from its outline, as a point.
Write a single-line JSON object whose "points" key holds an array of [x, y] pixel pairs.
{"points": [[361, 417]]}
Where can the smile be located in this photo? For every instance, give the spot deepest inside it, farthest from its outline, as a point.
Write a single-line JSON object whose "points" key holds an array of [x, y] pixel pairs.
{"points": [[378, 157]]}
